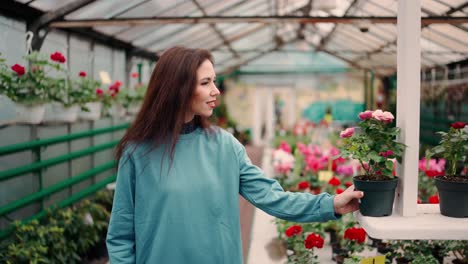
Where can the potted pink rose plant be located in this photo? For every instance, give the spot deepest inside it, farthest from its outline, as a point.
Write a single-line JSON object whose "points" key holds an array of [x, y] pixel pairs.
{"points": [[373, 143]]}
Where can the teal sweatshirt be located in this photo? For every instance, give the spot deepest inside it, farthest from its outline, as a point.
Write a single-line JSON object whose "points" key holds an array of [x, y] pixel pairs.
{"points": [[190, 212]]}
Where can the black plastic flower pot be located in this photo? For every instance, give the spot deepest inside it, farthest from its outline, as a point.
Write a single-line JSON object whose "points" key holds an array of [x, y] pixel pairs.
{"points": [[378, 196], [402, 260], [333, 237], [453, 197]]}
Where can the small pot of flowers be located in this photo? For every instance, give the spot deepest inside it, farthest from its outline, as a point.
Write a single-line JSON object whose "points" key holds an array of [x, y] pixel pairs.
{"points": [[89, 96], [30, 88], [453, 186], [374, 145]]}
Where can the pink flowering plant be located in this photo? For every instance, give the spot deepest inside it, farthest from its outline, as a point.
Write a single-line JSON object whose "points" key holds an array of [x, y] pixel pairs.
{"points": [[453, 147], [373, 144]]}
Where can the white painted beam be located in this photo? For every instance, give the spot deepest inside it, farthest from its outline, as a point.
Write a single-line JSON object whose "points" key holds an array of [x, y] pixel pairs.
{"points": [[408, 99], [428, 223]]}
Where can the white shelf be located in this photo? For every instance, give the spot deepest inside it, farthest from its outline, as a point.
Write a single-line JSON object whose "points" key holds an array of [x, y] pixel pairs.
{"points": [[427, 224]]}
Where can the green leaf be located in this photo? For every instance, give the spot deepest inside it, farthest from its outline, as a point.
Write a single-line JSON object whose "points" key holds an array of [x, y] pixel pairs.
{"points": [[389, 165], [376, 157]]}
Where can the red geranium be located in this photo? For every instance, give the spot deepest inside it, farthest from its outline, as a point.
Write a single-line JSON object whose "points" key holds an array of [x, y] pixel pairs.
{"points": [[347, 184], [355, 234], [135, 75], [18, 69], [458, 125], [334, 181], [313, 240], [293, 230], [58, 57], [434, 173], [82, 74], [99, 91], [434, 199], [303, 185], [339, 190]]}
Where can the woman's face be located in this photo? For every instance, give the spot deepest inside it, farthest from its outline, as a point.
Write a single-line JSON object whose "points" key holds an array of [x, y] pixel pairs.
{"points": [[204, 99]]}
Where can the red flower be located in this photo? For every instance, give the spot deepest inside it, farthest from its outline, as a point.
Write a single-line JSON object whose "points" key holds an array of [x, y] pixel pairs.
{"points": [[118, 83], [434, 199], [313, 240], [135, 75], [339, 190], [303, 185], [458, 125], [355, 234], [58, 57], [114, 88], [334, 181], [293, 230], [419, 201], [18, 69], [386, 153], [82, 74], [99, 91], [347, 184], [434, 173]]}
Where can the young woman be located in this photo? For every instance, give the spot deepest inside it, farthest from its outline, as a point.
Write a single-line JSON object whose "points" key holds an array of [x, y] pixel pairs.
{"points": [[176, 198]]}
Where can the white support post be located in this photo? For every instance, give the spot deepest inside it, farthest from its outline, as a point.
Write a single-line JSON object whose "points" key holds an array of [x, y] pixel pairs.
{"points": [[292, 108], [408, 100], [257, 119], [270, 116]]}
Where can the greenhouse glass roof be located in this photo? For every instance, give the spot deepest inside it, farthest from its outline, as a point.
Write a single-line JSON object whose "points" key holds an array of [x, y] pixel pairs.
{"points": [[361, 33]]}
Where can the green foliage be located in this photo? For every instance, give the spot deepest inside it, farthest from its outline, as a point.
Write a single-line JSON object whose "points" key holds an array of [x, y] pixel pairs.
{"points": [[63, 237], [131, 96], [82, 91], [453, 146], [352, 260], [426, 187], [421, 259]]}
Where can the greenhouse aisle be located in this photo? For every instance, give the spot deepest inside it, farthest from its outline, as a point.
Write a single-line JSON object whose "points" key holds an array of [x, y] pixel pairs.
{"points": [[264, 248]]}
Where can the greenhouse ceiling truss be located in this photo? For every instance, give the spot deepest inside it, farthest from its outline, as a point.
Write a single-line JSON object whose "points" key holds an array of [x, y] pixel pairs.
{"points": [[359, 32]]}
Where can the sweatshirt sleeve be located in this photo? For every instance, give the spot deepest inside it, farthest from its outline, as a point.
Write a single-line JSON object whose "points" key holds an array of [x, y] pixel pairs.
{"points": [[268, 195], [121, 233]]}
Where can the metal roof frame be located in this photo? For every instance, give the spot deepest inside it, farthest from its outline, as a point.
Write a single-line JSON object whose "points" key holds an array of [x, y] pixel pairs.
{"points": [[263, 14]]}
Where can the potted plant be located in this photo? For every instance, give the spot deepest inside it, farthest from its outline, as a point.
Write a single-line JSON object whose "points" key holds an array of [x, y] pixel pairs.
{"points": [[131, 98], [110, 100], [89, 96], [374, 145], [30, 88], [453, 186]]}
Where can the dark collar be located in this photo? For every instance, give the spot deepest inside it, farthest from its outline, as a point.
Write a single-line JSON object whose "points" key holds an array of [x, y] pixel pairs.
{"points": [[189, 127]]}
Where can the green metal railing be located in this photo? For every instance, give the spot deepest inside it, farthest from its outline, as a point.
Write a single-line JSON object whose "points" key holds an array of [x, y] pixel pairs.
{"points": [[37, 167]]}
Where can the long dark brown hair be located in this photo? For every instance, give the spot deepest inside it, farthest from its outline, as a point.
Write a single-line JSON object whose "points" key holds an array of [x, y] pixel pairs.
{"points": [[167, 100]]}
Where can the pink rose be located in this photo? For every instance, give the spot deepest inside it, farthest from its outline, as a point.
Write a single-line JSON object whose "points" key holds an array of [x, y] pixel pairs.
{"points": [[383, 116], [284, 146], [365, 115], [347, 132]]}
